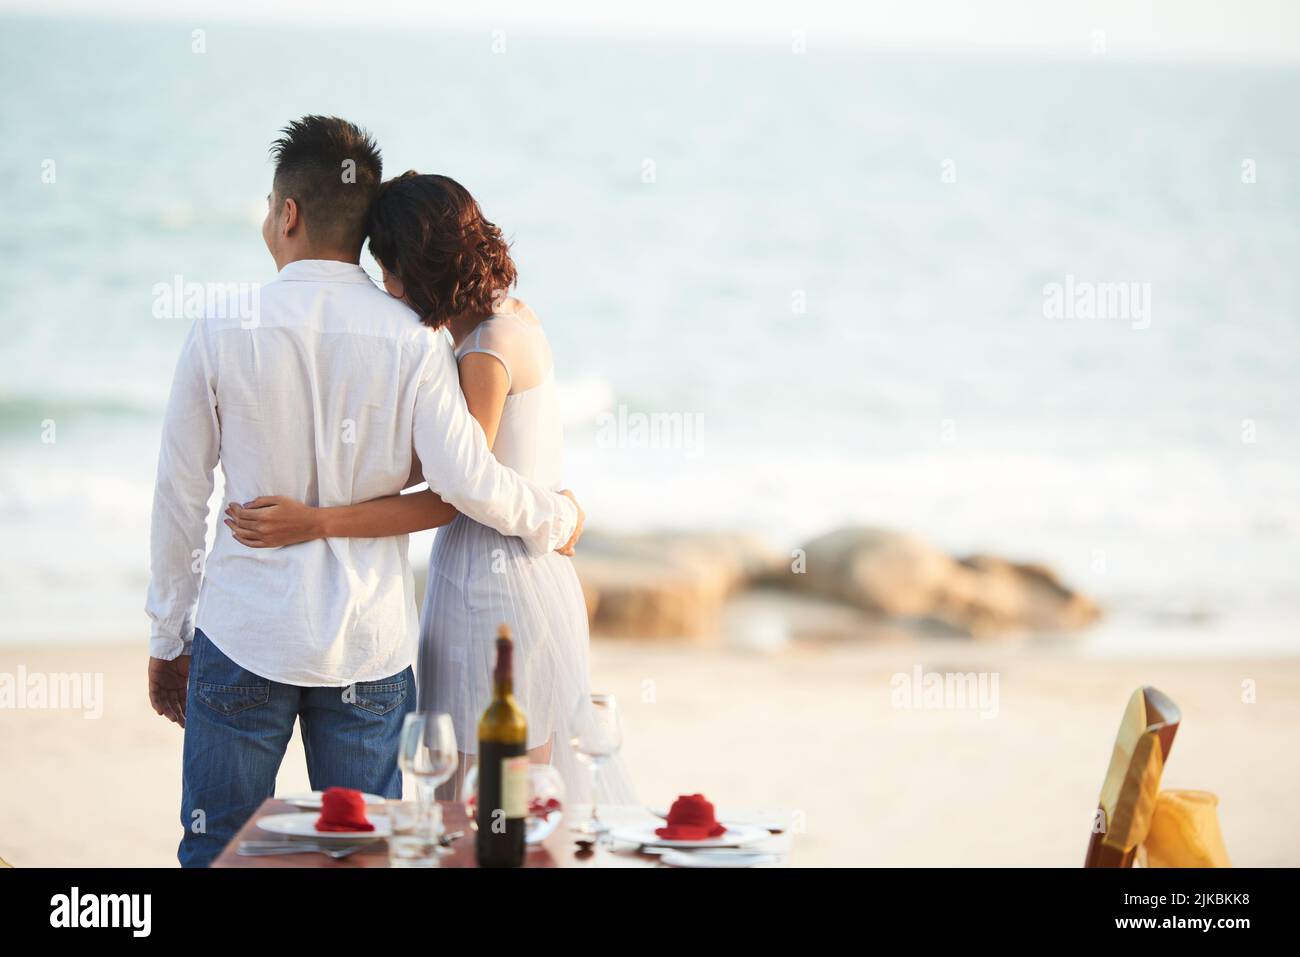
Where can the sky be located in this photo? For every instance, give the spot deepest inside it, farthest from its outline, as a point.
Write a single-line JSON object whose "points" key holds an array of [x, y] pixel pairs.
{"points": [[1261, 30]]}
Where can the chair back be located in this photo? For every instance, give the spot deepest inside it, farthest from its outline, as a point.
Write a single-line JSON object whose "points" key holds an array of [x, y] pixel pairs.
{"points": [[1128, 794]]}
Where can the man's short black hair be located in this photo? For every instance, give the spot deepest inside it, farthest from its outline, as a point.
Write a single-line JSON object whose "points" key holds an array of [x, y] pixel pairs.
{"points": [[332, 169]]}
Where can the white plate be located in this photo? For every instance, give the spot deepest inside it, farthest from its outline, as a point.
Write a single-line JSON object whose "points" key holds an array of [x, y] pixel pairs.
{"points": [[303, 824], [312, 799], [736, 835], [729, 859]]}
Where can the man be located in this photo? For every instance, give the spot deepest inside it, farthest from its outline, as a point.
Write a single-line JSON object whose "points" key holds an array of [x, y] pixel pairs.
{"points": [[321, 397]]}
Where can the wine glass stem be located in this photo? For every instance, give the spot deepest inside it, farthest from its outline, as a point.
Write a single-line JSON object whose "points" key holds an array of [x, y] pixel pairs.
{"points": [[424, 793], [595, 784]]}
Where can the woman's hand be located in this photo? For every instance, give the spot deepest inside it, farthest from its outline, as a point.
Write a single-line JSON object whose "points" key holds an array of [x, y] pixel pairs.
{"points": [[273, 520], [568, 547]]}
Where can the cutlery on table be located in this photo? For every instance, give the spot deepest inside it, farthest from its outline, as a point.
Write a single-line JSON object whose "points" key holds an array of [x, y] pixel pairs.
{"points": [[271, 848], [744, 851]]}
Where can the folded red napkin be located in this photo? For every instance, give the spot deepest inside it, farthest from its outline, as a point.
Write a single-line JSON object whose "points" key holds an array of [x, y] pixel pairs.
{"points": [[343, 809], [690, 819]]}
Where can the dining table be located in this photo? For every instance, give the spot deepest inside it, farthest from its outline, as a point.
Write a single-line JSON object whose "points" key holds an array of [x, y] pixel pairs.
{"points": [[560, 849]]}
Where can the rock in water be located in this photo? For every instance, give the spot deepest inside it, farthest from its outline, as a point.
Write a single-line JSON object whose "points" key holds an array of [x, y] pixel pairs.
{"points": [[666, 585], [897, 575]]}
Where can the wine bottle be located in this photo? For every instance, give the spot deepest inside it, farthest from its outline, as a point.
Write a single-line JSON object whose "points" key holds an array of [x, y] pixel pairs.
{"points": [[502, 768]]}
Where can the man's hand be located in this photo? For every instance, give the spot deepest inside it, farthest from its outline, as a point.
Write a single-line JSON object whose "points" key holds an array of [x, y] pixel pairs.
{"points": [[167, 683], [273, 521], [567, 547]]}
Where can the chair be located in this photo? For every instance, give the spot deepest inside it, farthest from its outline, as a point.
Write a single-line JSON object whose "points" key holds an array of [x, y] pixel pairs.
{"points": [[1128, 794]]}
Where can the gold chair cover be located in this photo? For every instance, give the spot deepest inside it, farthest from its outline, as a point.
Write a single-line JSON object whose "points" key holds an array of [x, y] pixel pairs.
{"points": [[1184, 832]]}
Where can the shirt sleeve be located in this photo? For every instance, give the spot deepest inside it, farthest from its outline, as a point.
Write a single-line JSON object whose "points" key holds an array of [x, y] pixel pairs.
{"points": [[191, 439], [460, 467]]}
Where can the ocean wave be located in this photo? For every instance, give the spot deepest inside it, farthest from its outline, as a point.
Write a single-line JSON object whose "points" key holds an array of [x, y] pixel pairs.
{"points": [[27, 411]]}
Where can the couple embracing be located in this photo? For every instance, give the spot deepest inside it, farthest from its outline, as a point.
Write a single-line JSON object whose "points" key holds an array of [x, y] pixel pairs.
{"points": [[320, 413]]}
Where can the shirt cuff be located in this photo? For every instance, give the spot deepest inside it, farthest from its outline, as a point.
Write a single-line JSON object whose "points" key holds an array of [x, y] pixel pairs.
{"points": [[168, 647]]}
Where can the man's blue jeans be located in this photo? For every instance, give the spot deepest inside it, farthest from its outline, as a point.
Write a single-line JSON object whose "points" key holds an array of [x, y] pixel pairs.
{"points": [[238, 724]]}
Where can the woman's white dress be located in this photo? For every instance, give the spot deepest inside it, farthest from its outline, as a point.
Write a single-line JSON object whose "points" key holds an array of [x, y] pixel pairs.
{"points": [[479, 579]]}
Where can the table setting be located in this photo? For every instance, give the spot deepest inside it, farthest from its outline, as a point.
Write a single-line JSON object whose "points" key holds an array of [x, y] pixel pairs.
{"points": [[349, 828]]}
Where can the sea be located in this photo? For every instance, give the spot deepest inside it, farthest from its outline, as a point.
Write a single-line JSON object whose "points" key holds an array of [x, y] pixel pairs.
{"points": [[1044, 306]]}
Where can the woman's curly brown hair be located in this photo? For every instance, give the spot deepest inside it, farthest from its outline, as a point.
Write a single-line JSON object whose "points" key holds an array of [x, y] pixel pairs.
{"points": [[429, 232]]}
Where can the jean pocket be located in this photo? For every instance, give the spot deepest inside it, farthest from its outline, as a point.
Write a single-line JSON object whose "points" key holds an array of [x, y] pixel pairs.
{"points": [[221, 684], [378, 697], [232, 699]]}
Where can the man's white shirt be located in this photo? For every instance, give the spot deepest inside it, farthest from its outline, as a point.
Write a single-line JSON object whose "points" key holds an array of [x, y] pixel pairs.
{"points": [[320, 398]]}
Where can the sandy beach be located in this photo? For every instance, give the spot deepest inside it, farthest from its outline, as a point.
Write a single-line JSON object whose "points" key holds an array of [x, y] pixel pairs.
{"points": [[810, 728]]}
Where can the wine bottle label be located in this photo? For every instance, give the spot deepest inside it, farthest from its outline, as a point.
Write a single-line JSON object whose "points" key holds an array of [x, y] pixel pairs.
{"points": [[514, 786]]}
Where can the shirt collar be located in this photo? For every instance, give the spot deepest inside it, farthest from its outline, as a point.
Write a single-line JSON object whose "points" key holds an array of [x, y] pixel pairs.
{"points": [[323, 270]]}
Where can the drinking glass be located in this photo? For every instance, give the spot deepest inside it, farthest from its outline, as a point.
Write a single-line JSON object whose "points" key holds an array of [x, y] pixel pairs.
{"points": [[414, 838], [427, 752], [597, 736]]}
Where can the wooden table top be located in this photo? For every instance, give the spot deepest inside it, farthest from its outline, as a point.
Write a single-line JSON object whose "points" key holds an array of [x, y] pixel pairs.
{"points": [[559, 850]]}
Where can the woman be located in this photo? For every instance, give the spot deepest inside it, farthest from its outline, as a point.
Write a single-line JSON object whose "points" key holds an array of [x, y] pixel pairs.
{"points": [[448, 263]]}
